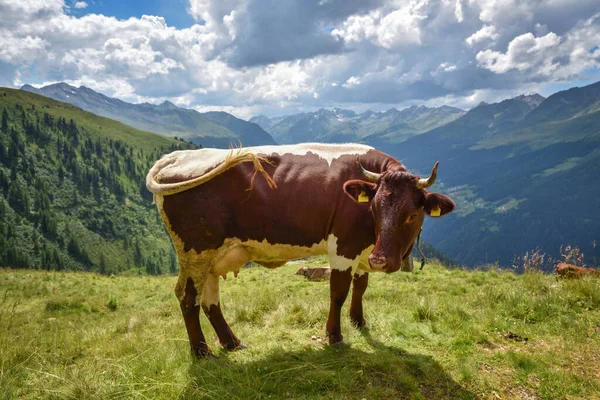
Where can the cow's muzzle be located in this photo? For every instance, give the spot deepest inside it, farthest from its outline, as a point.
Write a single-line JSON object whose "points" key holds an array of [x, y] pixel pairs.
{"points": [[378, 263], [384, 264]]}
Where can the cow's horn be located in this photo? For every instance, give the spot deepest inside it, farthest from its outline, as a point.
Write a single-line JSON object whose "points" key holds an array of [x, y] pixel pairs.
{"points": [[426, 182], [371, 176]]}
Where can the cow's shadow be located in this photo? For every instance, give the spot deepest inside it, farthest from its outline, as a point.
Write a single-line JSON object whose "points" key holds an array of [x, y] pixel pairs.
{"points": [[380, 372]]}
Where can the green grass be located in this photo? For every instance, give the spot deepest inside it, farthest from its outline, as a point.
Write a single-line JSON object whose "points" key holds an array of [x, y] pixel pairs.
{"points": [[433, 334]]}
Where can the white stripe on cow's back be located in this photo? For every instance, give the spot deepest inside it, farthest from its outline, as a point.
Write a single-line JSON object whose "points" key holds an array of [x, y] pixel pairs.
{"points": [[190, 164]]}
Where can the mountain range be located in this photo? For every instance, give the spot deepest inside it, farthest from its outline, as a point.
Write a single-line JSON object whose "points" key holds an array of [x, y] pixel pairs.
{"points": [[205, 129], [339, 125]]}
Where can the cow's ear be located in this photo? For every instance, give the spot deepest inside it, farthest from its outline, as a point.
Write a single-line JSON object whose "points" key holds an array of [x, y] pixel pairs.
{"points": [[360, 191], [437, 204]]}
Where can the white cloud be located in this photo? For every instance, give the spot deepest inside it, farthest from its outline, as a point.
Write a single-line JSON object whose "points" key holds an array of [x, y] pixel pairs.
{"points": [[305, 54], [446, 67], [458, 11], [80, 4], [389, 29], [524, 52], [20, 50], [352, 81], [485, 33]]}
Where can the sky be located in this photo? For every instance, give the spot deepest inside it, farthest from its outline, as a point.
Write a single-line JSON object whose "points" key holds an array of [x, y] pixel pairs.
{"points": [[278, 57]]}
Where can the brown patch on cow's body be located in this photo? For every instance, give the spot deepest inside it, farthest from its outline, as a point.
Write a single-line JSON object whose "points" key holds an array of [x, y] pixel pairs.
{"points": [[564, 270], [302, 211]]}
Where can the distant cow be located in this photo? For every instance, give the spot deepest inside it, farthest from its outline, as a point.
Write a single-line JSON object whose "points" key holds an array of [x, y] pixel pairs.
{"points": [[272, 204], [315, 273], [564, 270]]}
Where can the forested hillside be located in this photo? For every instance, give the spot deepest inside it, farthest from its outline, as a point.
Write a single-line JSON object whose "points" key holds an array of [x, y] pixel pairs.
{"points": [[72, 190]]}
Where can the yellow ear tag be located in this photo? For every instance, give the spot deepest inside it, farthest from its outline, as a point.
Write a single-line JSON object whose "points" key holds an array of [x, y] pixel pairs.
{"points": [[363, 198], [436, 212]]}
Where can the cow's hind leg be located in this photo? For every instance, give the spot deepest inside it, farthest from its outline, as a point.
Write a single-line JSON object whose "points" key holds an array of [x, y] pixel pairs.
{"points": [[359, 286], [338, 290], [212, 308], [191, 316]]}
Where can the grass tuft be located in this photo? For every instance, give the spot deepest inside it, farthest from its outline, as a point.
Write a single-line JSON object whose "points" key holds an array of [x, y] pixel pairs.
{"points": [[68, 305], [426, 310], [113, 303]]}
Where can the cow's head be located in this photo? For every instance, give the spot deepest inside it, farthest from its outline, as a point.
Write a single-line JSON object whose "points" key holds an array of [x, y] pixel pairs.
{"points": [[399, 201]]}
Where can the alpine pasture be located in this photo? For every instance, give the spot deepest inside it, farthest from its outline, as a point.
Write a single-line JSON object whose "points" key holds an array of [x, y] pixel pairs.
{"points": [[433, 334]]}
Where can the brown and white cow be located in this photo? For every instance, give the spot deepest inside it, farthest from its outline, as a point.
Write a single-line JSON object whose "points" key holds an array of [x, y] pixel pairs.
{"points": [[272, 204]]}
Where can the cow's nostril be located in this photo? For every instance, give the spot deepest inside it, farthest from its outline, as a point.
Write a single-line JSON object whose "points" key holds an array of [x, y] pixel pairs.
{"points": [[378, 263]]}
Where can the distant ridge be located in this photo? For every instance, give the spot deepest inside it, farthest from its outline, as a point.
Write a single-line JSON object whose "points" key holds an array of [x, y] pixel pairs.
{"points": [[165, 119], [340, 125]]}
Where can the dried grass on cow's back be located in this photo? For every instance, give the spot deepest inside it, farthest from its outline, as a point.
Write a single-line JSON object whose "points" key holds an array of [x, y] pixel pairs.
{"points": [[436, 333]]}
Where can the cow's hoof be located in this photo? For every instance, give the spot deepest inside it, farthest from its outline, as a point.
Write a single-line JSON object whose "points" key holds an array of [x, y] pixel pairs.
{"points": [[339, 345], [240, 346], [204, 355], [359, 324]]}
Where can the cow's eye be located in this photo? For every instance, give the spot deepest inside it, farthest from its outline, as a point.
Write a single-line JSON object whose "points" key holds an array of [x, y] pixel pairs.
{"points": [[412, 218]]}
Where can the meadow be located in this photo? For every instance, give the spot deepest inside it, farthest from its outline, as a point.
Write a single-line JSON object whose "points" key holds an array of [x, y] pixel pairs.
{"points": [[433, 334]]}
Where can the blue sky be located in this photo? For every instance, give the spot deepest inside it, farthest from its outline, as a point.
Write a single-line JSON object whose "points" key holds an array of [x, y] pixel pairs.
{"points": [[277, 57], [173, 11]]}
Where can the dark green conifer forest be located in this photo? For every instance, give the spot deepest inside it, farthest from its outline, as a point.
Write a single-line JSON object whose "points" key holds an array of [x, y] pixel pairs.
{"points": [[72, 190]]}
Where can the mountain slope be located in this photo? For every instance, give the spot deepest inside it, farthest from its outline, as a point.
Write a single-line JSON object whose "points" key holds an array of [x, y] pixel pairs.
{"points": [[265, 122], [248, 132], [166, 119], [563, 105], [72, 189]]}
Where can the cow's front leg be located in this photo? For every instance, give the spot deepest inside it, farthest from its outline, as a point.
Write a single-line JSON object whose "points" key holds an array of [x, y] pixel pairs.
{"points": [[339, 286], [359, 286], [191, 316], [212, 309]]}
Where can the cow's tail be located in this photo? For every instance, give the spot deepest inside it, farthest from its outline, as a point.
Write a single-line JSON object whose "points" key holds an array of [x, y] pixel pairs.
{"points": [[235, 157]]}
